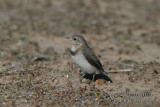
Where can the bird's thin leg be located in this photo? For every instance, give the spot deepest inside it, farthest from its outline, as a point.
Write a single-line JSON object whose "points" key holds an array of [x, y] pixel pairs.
{"points": [[93, 78], [81, 77]]}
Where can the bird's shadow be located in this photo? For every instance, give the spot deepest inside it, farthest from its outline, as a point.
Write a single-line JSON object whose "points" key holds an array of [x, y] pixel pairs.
{"points": [[97, 76]]}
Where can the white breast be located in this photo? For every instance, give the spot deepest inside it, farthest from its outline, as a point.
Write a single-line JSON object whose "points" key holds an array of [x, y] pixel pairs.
{"points": [[80, 60]]}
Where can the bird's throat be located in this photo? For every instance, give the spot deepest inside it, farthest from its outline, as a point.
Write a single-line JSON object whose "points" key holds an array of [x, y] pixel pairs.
{"points": [[74, 50]]}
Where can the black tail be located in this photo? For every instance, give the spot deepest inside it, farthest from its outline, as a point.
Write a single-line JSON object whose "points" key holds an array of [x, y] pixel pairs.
{"points": [[104, 76], [98, 76]]}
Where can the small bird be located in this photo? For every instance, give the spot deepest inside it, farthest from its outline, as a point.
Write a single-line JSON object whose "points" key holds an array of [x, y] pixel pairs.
{"points": [[84, 56]]}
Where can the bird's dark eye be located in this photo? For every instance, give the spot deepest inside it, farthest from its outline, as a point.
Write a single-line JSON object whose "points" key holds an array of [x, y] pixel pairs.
{"points": [[74, 38]]}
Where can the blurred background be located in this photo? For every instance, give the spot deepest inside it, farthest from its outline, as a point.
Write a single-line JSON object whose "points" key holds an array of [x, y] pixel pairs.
{"points": [[129, 27], [125, 34]]}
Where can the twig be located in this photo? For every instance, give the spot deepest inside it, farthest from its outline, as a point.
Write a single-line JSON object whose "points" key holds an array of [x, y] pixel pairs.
{"points": [[121, 71], [110, 98]]}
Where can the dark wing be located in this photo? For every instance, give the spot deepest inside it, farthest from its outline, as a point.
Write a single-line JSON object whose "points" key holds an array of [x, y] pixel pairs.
{"points": [[92, 59]]}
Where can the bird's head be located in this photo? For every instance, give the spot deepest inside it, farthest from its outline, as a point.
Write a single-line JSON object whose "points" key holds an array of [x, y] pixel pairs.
{"points": [[77, 40]]}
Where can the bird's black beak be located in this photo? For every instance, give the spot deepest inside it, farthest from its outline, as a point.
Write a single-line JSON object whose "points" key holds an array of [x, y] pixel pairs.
{"points": [[70, 38]]}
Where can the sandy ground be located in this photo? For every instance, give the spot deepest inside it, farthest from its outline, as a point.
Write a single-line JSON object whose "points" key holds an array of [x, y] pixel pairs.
{"points": [[36, 68]]}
